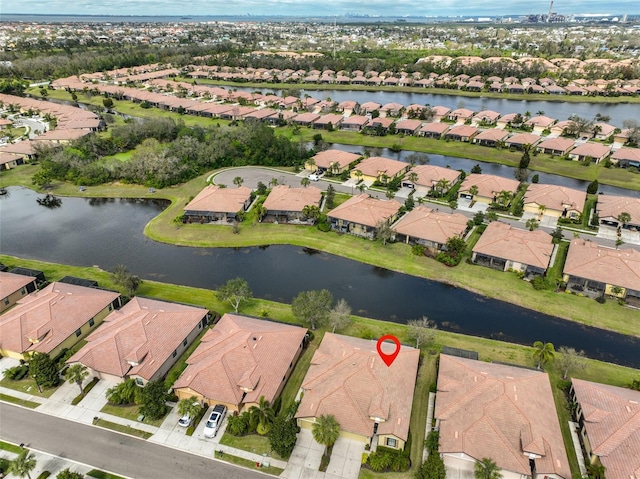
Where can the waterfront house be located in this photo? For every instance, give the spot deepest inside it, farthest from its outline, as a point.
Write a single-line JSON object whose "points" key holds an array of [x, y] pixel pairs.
{"points": [[594, 270], [430, 228], [440, 112], [505, 120], [461, 133], [305, 119], [361, 215], [556, 146], [354, 123], [504, 248], [608, 426], [347, 107], [53, 319], [488, 187], [540, 123], [520, 140], [285, 204], [408, 127], [553, 200], [491, 137], [215, 203], [595, 152], [502, 412], [325, 121], [13, 287], [9, 160], [391, 109], [626, 157], [142, 340], [332, 161], [371, 401], [369, 107], [380, 124], [431, 179], [610, 207], [378, 168], [460, 115], [433, 130], [485, 118], [240, 360]]}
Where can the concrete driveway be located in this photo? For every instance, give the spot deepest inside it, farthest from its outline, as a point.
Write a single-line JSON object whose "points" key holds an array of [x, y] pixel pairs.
{"points": [[546, 221], [345, 459]]}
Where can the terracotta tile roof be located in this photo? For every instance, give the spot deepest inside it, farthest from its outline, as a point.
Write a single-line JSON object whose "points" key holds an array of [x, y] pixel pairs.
{"points": [[612, 422], [326, 158], [364, 210], [385, 122], [50, 316], [411, 125], [489, 185], [630, 154], [429, 175], [355, 120], [523, 139], [557, 144], [219, 200], [332, 118], [435, 128], [24, 147], [426, 224], [462, 131], [440, 110], [8, 157], [348, 379], [495, 134], [555, 197], [285, 198], [589, 260], [138, 338], [62, 135], [11, 282], [370, 106], [461, 113], [306, 118], [540, 121], [610, 206], [378, 165], [501, 412], [486, 115], [240, 354], [594, 150], [500, 240]]}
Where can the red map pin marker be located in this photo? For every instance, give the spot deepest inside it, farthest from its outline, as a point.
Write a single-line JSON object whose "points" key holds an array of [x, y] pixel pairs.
{"points": [[388, 358]]}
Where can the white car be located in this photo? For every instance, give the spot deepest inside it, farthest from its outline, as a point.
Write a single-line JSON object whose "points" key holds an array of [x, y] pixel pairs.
{"points": [[215, 421], [314, 177], [185, 421]]}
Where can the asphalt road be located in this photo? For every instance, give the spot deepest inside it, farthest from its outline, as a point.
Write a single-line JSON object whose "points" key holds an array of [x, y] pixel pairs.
{"points": [[104, 449]]}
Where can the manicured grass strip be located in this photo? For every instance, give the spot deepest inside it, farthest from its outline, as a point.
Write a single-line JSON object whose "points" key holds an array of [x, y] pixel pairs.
{"points": [[120, 428], [18, 401], [294, 382], [426, 377], [131, 413], [7, 446], [85, 390], [239, 461], [98, 474], [251, 443], [554, 273], [27, 385]]}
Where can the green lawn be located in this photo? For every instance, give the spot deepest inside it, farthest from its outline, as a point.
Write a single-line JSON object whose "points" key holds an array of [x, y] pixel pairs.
{"points": [[251, 443], [239, 461], [28, 386], [120, 428], [18, 401], [294, 382], [98, 474], [7, 446], [131, 413]]}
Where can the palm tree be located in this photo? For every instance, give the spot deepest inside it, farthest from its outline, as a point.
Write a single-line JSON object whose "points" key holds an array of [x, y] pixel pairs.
{"points": [[261, 211], [623, 218], [413, 177], [543, 352], [504, 197], [76, 373], [473, 191], [486, 468], [238, 181], [311, 211], [442, 185], [358, 175], [190, 407], [541, 209], [326, 430], [22, 465], [305, 182], [595, 471], [262, 415]]}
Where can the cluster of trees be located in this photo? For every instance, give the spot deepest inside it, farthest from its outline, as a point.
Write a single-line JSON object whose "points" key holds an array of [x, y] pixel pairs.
{"points": [[316, 309], [151, 398], [166, 153]]}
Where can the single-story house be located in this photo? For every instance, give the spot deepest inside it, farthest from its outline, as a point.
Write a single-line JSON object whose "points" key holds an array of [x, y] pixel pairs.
{"points": [[433, 130], [362, 215], [392, 109], [501, 412], [13, 287], [608, 426], [408, 127], [215, 203], [540, 123], [461, 133], [332, 161], [332, 119], [504, 248], [560, 127], [369, 107], [141, 340], [25, 149], [554, 200], [370, 400], [556, 146], [602, 131], [460, 115], [488, 187], [347, 106], [431, 178], [305, 119], [378, 168], [240, 360], [261, 114], [595, 151], [519, 140], [354, 123], [610, 207], [625, 157], [10, 160], [485, 117], [430, 228], [381, 123], [505, 120], [286, 204], [595, 270], [53, 319], [440, 112], [490, 137]]}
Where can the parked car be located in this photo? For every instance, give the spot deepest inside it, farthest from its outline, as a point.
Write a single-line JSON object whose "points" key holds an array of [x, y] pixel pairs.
{"points": [[314, 177], [215, 420], [185, 421]]}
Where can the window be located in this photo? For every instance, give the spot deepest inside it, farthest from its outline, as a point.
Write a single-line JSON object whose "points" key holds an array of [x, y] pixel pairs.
{"points": [[91, 323], [6, 301], [184, 343], [110, 307], [23, 291], [78, 332], [139, 382], [175, 353], [391, 442]]}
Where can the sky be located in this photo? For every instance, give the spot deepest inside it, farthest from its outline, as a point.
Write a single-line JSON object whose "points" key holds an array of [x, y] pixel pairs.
{"points": [[316, 7]]}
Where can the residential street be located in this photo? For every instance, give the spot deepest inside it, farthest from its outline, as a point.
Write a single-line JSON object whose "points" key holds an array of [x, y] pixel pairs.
{"points": [[104, 449]]}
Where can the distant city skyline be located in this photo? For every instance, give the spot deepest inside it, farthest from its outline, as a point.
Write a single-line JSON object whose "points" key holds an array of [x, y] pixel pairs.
{"points": [[397, 8]]}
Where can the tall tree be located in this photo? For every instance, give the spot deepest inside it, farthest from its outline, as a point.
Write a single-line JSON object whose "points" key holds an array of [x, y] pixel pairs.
{"points": [[384, 232], [532, 224], [123, 278], [570, 360], [76, 373], [235, 291], [43, 370], [543, 352], [326, 430], [623, 218], [154, 397], [312, 307], [432, 468], [340, 315], [422, 330], [283, 435], [486, 468], [22, 465]]}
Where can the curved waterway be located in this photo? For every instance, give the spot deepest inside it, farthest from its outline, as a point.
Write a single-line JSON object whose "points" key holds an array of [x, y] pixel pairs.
{"points": [[87, 232]]}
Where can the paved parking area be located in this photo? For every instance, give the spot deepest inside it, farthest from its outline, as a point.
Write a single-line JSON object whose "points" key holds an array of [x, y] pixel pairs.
{"points": [[345, 459], [545, 222]]}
